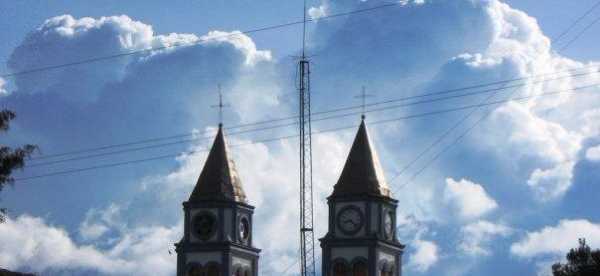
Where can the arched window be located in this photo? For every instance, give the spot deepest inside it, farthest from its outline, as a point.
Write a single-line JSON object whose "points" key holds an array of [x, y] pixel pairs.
{"points": [[383, 269], [247, 272], [359, 268], [340, 268], [391, 271], [195, 270], [213, 270], [238, 272]]}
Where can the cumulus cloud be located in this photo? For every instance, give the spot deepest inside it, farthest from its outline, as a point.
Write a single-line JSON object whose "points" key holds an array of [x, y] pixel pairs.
{"points": [[241, 42], [536, 140], [593, 153], [99, 222], [2, 88], [165, 84], [547, 143], [539, 136], [590, 122], [63, 39], [31, 243], [476, 237], [317, 12], [552, 183], [425, 256], [530, 135], [469, 199], [557, 240]]}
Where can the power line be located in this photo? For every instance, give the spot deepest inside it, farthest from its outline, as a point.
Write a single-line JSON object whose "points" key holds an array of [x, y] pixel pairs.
{"points": [[568, 29], [495, 90], [573, 90], [578, 35], [460, 137], [199, 42], [284, 272], [444, 135], [148, 147], [144, 141]]}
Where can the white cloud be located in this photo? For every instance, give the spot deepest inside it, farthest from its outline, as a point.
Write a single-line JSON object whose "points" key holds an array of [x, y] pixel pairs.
{"points": [[476, 237], [593, 153], [425, 256], [557, 240], [30, 242], [317, 12], [2, 88], [531, 136], [467, 198], [538, 139], [92, 231], [590, 122], [523, 135], [241, 42], [551, 183], [65, 38], [99, 222], [543, 135]]}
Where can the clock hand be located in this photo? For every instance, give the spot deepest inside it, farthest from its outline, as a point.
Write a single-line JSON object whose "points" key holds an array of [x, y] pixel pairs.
{"points": [[350, 221]]}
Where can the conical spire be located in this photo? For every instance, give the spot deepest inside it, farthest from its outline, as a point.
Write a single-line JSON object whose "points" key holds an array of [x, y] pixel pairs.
{"points": [[362, 173], [219, 179]]}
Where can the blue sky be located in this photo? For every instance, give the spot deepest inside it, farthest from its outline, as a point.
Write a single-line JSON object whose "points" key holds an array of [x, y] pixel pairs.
{"points": [[510, 198]]}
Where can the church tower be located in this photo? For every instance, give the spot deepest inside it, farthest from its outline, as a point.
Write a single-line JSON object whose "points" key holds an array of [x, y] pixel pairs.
{"points": [[217, 239], [361, 239]]}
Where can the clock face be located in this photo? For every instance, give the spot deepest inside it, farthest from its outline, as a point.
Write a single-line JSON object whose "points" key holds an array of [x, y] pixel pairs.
{"points": [[204, 225], [388, 225], [244, 229], [350, 220]]}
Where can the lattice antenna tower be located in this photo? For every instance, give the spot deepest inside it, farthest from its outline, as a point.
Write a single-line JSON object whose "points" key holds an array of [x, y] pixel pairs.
{"points": [[307, 237]]}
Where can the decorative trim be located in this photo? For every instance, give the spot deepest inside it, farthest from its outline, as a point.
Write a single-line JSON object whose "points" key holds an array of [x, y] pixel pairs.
{"points": [[217, 204], [362, 197]]}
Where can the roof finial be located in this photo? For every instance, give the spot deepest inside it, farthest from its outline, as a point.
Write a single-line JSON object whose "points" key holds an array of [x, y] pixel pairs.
{"points": [[221, 105], [363, 96]]}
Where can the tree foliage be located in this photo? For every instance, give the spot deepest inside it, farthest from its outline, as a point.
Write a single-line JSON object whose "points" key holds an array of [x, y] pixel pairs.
{"points": [[10, 159], [581, 261]]}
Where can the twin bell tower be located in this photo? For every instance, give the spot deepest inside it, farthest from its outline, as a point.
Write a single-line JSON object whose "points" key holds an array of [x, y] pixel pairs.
{"points": [[360, 240]]}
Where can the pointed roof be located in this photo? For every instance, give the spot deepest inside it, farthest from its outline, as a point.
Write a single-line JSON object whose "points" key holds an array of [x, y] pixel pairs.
{"points": [[219, 179], [362, 173]]}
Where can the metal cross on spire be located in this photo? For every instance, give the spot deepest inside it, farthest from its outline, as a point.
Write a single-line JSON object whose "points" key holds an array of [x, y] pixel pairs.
{"points": [[221, 105], [363, 96]]}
